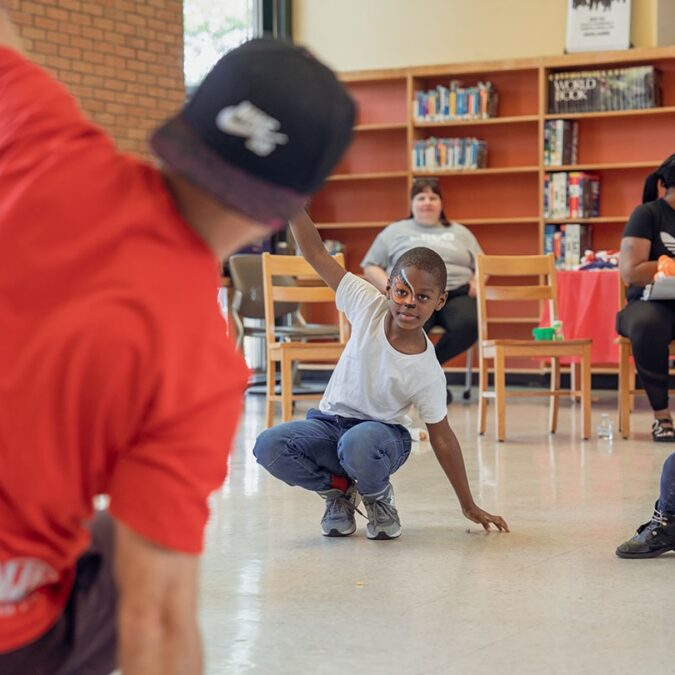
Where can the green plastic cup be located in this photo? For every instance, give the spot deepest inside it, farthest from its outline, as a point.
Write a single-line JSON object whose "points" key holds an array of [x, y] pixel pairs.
{"points": [[543, 333]]}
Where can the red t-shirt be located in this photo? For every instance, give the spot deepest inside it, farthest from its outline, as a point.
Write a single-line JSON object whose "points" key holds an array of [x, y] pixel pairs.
{"points": [[116, 373]]}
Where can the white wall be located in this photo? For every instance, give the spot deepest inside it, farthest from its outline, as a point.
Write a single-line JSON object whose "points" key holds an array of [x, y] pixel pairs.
{"points": [[366, 34]]}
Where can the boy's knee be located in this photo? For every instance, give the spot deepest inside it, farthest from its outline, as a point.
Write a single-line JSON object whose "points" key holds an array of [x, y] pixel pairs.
{"points": [[268, 447], [360, 449]]}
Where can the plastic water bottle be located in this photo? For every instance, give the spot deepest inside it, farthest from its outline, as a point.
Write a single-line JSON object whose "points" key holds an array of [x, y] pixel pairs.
{"points": [[605, 429]]}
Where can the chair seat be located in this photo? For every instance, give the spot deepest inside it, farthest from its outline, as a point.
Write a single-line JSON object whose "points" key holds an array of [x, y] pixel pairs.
{"points": [[623, 341], [544, 344], [310, 331], [542, 348], [306, 350]]}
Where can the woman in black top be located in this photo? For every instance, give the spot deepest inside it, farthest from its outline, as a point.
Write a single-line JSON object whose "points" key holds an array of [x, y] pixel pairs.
{"points": [[650, 233]]}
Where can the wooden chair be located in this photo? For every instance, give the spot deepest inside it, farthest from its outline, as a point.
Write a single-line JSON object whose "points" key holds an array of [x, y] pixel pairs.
{"points": [[286, 352], [248, 303], [497, 351], [627, 387]]}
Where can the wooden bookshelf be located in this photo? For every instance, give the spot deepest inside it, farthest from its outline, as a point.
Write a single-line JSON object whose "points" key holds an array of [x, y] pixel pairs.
{"points": [[517, 119], [479, 172], [380, 127], [609, 114], [503, 203], [612, 166]]}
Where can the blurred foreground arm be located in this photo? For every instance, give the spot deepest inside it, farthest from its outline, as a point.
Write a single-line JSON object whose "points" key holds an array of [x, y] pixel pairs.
{"points": [[156, 611]]}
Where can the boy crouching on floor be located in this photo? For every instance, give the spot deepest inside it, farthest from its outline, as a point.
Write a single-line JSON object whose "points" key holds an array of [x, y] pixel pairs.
{"points": [[348, 449]]}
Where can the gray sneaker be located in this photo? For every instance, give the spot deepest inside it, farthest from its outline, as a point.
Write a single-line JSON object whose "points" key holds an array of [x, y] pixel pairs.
{"points": [[383, 520], [338, 518]]}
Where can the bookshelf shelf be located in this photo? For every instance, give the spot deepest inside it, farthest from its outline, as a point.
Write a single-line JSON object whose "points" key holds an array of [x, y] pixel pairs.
{"points": [[647, 112], [480, 172], [611, 166], [377, 175], [350, 226], [381, 127], [513, 119], [504, 203], [500, 221], [590, 221]]}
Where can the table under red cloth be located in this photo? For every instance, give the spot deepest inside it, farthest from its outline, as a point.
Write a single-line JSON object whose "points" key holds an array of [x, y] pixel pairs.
{"points": [[587, 306]]}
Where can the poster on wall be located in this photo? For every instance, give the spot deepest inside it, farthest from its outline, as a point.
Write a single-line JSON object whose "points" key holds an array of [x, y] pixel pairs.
{"points": [[597, 25]]}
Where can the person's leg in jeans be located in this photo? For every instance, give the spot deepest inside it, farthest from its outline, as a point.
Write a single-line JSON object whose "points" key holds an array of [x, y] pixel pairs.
{"points": [[370, 452], [658, 535], [651, 327], [667, 494], [304, 454]]}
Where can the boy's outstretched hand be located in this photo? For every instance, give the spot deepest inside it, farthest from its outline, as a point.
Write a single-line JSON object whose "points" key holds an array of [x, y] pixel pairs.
{"points": [[477, 515]]}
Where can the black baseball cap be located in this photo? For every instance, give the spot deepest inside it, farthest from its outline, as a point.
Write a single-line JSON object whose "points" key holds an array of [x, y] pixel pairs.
{"points": [[262, 131]]}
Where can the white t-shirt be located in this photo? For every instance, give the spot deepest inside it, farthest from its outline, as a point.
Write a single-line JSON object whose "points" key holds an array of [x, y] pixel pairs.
{"points": [[374, 381]]}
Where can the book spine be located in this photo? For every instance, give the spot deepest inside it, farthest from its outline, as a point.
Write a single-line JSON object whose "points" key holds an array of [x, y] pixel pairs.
{"points": [[573, 206], [549, 238]]}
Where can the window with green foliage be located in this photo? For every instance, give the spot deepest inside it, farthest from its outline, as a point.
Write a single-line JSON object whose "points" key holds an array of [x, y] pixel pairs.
{"points": [[214, 27]]}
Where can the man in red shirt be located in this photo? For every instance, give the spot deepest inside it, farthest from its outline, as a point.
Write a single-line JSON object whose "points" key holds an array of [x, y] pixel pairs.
{"points": [[116, 376]]}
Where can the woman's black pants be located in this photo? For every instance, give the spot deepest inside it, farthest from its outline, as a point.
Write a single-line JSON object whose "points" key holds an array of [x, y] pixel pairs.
{"points": [[459, 319], [650, 326]]}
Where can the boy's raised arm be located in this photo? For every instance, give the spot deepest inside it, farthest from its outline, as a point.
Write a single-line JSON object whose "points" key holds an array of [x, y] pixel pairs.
{"points": [[449, 454], [312, 248]]}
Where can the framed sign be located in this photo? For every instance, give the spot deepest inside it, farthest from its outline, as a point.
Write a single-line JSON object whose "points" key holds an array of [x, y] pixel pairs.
{"points": [[597, 25]]}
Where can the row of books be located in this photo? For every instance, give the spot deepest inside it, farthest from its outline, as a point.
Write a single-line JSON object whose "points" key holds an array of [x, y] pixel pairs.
{"points": [[573, 194], [444, 104], [601, 90], [446, 154], [568, 243], [561, 142]]}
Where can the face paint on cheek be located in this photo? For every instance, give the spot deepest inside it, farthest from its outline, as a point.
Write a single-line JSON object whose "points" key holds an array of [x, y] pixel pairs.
{"points": [[400, 287], [406, 281]]}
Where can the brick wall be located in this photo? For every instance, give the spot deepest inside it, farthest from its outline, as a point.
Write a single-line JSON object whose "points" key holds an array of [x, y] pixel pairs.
{"points": [[122, 59]]}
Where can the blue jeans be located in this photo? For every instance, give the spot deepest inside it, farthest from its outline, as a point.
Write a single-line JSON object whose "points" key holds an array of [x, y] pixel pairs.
{"points": [[667, 496], [308, 453]]}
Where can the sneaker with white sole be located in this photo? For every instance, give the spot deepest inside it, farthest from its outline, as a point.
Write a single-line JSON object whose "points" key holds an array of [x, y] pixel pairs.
{"points": [[338, 518], [383, 520], [651, 539]]}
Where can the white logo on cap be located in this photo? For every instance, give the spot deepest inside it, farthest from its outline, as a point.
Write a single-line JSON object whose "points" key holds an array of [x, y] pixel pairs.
{"points": [[247, 121]]}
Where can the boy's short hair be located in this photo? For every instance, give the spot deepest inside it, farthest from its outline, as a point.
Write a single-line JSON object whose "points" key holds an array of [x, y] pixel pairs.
{"points": [[424, 259]]}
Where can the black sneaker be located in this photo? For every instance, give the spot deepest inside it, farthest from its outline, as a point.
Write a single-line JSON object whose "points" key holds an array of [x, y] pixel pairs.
{"points": [[652, 538]]}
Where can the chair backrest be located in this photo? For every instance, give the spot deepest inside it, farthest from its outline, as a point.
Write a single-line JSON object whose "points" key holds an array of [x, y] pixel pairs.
{"points": [[541, 267], [309, 288], [247, 278]]}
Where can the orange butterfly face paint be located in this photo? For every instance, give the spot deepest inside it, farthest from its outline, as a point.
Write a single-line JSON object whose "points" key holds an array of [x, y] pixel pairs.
{"points": [[402, 291]]}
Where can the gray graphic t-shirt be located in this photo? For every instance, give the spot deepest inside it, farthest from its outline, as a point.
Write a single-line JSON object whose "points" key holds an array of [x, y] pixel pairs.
{"points": [[455, 244]]}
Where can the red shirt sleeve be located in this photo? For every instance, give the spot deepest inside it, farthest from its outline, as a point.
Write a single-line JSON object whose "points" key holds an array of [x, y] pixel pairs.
{"points": [[160, 486]]}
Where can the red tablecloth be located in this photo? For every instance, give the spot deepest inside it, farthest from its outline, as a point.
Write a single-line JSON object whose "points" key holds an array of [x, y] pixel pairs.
{"points": [[587, 306]]}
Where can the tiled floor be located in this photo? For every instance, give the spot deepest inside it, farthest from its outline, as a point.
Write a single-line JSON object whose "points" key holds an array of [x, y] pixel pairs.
{"points": [[550, 597]]}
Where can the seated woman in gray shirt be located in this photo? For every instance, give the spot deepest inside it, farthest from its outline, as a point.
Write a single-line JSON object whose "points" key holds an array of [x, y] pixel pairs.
{"points": [[428, 226]]}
